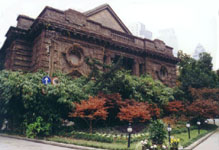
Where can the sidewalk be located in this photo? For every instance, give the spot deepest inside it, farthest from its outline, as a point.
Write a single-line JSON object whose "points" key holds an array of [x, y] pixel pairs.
{"points": [[71, 146], [212, 143], [196, 145], [201, 140]]}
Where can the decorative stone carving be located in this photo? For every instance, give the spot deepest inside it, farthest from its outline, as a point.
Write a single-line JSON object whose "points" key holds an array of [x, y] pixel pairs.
{"points": [[74, 55], [159, 45]]}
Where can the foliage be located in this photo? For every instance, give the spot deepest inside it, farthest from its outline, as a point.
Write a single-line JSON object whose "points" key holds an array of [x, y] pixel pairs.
{"points": [[174, 142], [205, 93], [175, 107], [113, 103], [119, 109], [203, 109], [155, 112], [128, 110], [137, 111], [116, 80], [91, 109], [157, 132], [38, 128], [23, 98], [196, 73]]}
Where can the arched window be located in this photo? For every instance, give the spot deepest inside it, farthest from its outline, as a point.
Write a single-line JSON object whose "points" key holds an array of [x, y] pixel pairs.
{"points": [[163, 73]]}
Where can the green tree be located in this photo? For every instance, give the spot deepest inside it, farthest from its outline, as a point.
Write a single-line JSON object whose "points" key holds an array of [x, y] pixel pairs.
{"points": [[117, 80], [196, 73], [23, 98]]}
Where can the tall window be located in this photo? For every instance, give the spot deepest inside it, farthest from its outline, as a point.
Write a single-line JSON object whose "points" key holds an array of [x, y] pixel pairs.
{"points": [[163, 72]]}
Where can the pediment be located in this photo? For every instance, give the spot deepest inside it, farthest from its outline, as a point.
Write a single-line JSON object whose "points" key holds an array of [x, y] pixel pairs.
{"points": [[105, 15]]}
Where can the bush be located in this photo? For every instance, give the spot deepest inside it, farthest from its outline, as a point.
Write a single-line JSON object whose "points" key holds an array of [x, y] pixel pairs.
{"points": [[157, 132], [38, 128], [23, 98]]}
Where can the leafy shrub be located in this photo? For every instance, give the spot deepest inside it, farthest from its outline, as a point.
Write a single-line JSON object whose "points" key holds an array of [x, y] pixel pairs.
{"points": [[203, 109], [22, 99], [175, 107], [38, 128], [157, 132]]}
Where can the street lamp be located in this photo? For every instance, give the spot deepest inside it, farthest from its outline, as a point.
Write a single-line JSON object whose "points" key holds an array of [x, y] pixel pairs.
{"points": [[198, 123], [206, 121], [188, 126], [169, 129], [129, 129]]}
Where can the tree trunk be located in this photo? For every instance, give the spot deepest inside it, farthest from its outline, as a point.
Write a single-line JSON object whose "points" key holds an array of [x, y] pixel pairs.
{"points": [[91, 126]]}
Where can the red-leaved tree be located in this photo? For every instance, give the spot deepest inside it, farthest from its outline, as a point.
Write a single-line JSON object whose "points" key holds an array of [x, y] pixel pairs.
{"points": [[205, 93], [154, 111], [92, 109], [136, 112], [174, 107], [203, 109]]}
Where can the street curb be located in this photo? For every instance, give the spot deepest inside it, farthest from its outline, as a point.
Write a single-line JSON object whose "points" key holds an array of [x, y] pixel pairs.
{"points": [[195, 144], [72, 146]]}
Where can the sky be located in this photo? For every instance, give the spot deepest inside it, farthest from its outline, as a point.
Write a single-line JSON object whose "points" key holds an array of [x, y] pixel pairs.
{"points": [[194, 21]]}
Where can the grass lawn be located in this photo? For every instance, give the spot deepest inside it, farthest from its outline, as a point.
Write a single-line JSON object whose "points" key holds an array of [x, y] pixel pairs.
{"points": [[113, 146], [183, 136]]}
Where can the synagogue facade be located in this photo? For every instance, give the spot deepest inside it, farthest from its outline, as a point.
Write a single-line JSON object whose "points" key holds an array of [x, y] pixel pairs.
{"points": [[61, 40]]}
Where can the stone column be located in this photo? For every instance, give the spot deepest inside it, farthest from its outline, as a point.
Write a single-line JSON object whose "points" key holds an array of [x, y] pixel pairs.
{"points": [[108, 60]]}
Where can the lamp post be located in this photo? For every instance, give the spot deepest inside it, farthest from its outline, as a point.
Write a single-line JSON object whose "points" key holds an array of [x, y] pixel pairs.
{"points": [[169, 129], [206, 121], [198, 123], [188, 126], [129, 129]]}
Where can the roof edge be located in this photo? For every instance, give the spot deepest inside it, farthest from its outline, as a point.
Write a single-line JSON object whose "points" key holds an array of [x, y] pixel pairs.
{"points": [[107, 6]]}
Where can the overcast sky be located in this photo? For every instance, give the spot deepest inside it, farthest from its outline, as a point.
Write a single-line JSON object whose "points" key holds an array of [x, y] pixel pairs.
{"points": [[194, 21]]}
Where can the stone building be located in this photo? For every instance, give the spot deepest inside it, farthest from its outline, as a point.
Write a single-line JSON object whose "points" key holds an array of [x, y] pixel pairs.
{"points": [[60, 40]]}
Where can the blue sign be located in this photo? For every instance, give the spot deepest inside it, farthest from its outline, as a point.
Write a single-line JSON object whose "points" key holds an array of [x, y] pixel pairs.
{"points": [[46, 80]]}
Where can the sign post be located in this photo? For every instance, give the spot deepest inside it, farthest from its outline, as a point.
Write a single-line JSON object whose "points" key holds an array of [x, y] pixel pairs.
{"points": [[46, 80]]}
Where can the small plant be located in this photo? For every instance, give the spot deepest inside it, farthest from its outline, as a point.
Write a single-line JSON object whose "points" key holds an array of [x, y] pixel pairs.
{"points": [[163, 147], [147, 145], [38, 128], [157, 132], [154, 147], [174, 143]]}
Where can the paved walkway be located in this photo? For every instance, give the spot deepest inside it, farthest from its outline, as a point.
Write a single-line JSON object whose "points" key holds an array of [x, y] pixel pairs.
{"points": [[211, 121], [17, 144], [212, 143]]}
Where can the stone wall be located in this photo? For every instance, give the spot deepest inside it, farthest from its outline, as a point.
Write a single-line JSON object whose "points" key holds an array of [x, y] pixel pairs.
{"points": [[161, 70], [61, 40], [18, 56]]}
